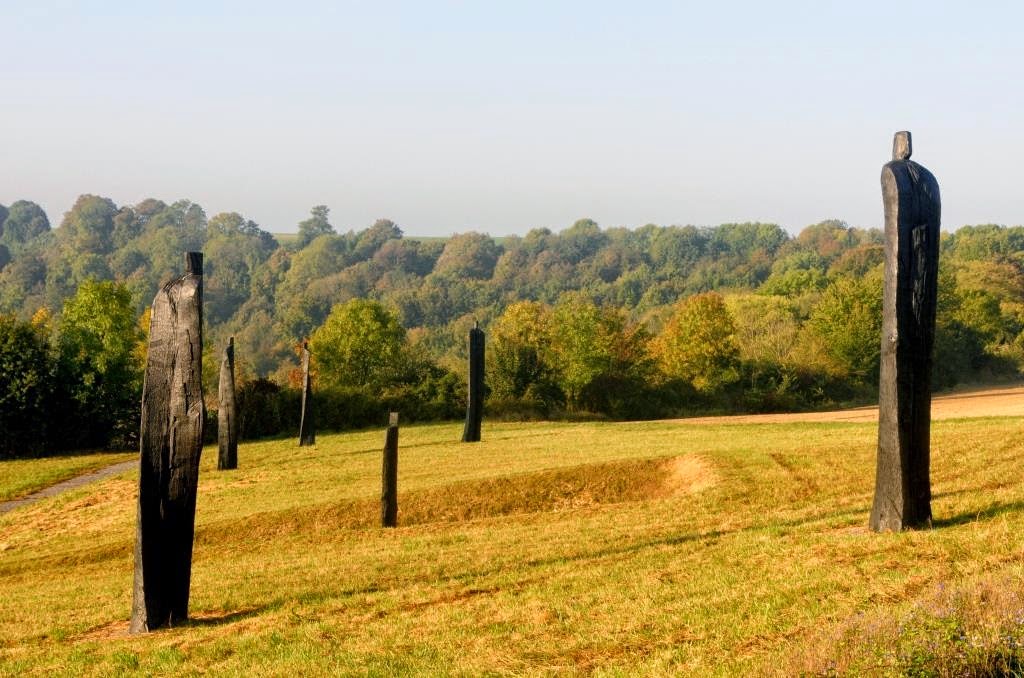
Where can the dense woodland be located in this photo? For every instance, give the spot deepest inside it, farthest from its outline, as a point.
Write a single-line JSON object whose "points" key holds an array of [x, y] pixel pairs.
{"points": [[615, 322]]}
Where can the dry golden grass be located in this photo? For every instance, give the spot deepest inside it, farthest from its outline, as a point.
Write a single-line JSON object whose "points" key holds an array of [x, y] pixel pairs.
{"points": [[658, 548]]}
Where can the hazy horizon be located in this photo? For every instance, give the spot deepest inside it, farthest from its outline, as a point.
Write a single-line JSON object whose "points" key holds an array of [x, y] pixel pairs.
{"points": [[460, 117]]}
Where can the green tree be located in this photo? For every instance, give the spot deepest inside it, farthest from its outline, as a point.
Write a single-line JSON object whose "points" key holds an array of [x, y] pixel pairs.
{"points": [[600, 359], [848, 321], [315, 226], [98, 345], [827, 239], [766, 327], [361, 344], [858, 261], [580, 241], [698, 343], [519, 344], [235, 249], [959, 347], [26, 387], [369, 241], [468, 255], [89, 225], [25, 222]]}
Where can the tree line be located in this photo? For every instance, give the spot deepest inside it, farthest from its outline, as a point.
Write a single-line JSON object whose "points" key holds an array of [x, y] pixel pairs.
{"points": [[589, 321]]}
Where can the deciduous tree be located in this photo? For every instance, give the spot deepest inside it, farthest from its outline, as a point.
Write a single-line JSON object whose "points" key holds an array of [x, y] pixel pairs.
{"points": [[698, 344]]}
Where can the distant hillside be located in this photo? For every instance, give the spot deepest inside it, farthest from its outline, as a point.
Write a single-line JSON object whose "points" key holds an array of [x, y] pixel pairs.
{"points": [[625, 322]]}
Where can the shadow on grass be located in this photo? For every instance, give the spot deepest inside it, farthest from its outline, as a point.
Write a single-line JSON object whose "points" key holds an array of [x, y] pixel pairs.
{"points": [[984, 514], [204, 619]]}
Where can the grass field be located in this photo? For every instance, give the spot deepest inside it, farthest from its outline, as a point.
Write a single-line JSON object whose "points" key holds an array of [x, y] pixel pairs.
{"points": [[663, 548], [19, 477]]}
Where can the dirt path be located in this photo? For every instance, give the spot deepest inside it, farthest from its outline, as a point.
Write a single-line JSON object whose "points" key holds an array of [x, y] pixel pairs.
{"points": [[69, 484], [999, 402]]}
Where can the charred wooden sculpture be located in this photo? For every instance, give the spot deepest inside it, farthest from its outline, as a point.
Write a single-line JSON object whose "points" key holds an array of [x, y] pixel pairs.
{"points": [[912, 215], [389, 475], [475, 405], [227, 422], [307, 427], [171, 442]]}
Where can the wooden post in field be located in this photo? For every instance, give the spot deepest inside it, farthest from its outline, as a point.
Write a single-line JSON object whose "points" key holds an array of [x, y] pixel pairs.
{"points": [[307, 426], [389, 475], [170, 442], [912, 215], [227, 421], [475, 402]]}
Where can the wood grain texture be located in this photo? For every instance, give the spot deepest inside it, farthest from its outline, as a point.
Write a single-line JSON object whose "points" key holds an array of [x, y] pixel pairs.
{"points": [[912, 219], [171, 442], [227, 419]]}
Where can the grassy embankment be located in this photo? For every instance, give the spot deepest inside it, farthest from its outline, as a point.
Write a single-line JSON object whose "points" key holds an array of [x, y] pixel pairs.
{"points": [[661, 548]]}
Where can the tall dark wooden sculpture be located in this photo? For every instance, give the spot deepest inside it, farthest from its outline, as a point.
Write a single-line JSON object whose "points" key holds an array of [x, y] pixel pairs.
{"points": [[389, 475], [171, 441], [475, 406], [307, 426], [227, 422], [912, 215]]}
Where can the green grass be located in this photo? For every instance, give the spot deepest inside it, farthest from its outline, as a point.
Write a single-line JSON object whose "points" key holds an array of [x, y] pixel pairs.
{"points": [[19, 477], [609, 548]]}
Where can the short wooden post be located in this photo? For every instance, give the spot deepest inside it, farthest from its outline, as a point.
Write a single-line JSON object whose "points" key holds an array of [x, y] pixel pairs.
{"points": [[475, 401], [389, 475], [307, 426], [227, 421], [170, 443]]}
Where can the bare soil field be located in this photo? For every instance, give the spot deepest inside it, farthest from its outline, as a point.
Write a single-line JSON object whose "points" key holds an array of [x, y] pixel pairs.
{"points": [[991, 402]]}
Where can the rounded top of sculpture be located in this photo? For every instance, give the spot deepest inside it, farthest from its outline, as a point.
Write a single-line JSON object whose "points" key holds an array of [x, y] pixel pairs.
{"points": [[194, 263], [901, 146]]}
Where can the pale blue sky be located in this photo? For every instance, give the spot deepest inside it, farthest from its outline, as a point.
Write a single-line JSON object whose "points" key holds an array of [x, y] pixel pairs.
{"points": [[450, 116]]}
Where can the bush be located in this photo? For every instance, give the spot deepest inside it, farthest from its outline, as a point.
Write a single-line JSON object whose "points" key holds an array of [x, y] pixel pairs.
{"points": [[26, 388], [261, 412]]}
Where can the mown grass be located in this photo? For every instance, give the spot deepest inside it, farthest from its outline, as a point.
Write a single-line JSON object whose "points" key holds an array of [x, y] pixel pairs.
{"points": [[659, 548], [19, 477]]}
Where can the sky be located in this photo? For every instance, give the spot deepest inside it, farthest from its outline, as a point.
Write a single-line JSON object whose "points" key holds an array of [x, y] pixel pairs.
{"points": [[502, 117]]}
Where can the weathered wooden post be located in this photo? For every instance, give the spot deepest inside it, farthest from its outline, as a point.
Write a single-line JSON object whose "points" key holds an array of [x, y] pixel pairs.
{"points": [[227, 422], [389, 475], [307, 425], [912, 216], [475, 404], [171, 441]]}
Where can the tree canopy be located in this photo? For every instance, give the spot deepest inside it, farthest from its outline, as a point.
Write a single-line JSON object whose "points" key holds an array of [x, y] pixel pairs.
{"points": [[617, 321]]}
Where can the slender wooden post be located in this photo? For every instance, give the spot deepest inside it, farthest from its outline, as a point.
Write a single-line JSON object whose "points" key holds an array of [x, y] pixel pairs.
{"points": [[227, 421], [307, 425], [912, 216], [389, 475], [475, 404], [170, 444]]}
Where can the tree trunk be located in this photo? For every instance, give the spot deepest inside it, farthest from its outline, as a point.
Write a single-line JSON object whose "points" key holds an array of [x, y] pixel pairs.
{"points": [[171, 442], [912, 216], [227, 421], [307, 426], [475, 404], [389, 475]]}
